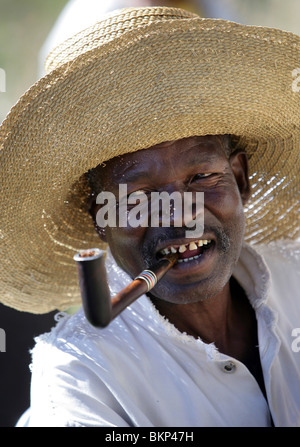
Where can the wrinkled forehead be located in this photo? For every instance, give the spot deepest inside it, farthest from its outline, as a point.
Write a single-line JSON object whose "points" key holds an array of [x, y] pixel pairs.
{"points": [[213, 146], [184, 150]]}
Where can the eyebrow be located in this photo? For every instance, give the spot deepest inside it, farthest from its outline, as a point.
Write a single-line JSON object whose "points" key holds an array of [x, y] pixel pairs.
{"points": [[128, 175], [205, 158], [134, 176]]}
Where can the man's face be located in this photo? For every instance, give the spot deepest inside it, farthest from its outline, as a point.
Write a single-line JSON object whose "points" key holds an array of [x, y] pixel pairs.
{"points": [[196, 164]]}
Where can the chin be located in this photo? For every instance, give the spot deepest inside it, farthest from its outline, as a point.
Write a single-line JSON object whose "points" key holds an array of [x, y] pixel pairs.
{"points": [[192, 293], [198, 280]]}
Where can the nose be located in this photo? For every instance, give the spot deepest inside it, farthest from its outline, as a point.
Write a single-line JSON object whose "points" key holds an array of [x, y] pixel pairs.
{"points": [[175, 206], [166, 207]]}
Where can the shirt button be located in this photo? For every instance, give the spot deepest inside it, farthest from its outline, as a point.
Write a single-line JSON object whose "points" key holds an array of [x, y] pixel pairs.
{"points": [[229, 366]]}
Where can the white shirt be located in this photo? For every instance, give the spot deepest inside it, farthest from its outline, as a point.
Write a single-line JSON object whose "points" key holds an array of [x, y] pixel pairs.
{"points": [[141, 371]]}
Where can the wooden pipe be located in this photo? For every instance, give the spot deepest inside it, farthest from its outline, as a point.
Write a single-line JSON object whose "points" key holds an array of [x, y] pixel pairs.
{"points": [[99, 308]]}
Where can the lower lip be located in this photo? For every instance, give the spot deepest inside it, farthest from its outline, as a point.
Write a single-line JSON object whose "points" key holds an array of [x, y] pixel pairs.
{"points": [[191, 266]]}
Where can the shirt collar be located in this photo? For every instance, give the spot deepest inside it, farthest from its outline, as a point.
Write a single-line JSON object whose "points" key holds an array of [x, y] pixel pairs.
{"points": [[250, 271], [253, 275]]}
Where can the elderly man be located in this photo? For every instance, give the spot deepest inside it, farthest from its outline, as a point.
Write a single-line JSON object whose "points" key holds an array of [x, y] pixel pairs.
{"points": [[160, 100]]}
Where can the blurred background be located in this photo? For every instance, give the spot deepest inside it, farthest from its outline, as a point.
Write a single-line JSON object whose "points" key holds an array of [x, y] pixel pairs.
{"points": [[28, 30], [26, 24]]}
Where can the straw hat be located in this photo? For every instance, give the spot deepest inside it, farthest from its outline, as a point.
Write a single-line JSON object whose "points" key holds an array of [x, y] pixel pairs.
{"points": [[137, 78]]}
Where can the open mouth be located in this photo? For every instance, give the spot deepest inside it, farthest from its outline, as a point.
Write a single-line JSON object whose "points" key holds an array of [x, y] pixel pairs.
{"points": [[188, 252]]}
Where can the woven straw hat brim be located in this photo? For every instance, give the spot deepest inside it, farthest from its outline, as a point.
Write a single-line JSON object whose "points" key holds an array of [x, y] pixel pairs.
{"points": [[156, 82]]}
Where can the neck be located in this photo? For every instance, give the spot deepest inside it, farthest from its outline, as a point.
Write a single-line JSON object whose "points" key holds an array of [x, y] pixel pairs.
{"points": [[227, 320]]}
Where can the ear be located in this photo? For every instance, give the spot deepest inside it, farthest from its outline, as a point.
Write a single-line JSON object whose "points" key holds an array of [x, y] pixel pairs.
{"points": [[93, 208], [240, 168]]}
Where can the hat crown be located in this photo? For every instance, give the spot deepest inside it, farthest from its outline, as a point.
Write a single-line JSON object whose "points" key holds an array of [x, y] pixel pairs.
{"points": [[112, 26]]}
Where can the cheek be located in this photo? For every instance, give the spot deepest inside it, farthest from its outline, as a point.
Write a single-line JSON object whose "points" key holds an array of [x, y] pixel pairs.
{"points": [[226, 204], [226, 210], [125, 246]]}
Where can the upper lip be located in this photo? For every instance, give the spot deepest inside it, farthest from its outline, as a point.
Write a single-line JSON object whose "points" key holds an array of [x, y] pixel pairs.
{"points": [[178, 242]]}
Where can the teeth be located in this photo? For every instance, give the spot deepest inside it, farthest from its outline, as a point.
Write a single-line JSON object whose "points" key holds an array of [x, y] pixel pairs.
{"points": [[165, 251], [188, 259], [182, 248]]}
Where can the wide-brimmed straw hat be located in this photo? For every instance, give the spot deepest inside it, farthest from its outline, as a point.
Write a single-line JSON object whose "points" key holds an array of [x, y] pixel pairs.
{"points": [[137, 78]]}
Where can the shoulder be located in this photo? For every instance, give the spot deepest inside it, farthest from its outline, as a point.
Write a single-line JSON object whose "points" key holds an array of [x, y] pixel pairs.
{"points": [[73, 338], [283, 250], [282, 259], [275, 265], [72, 376], [60, 356]]}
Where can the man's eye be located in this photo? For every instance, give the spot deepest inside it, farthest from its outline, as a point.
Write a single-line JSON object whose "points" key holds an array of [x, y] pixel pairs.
{"points": [[201, 176]]}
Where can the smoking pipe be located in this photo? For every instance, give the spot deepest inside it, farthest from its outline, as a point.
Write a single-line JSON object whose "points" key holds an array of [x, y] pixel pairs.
{"points": [[99, 308]]}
